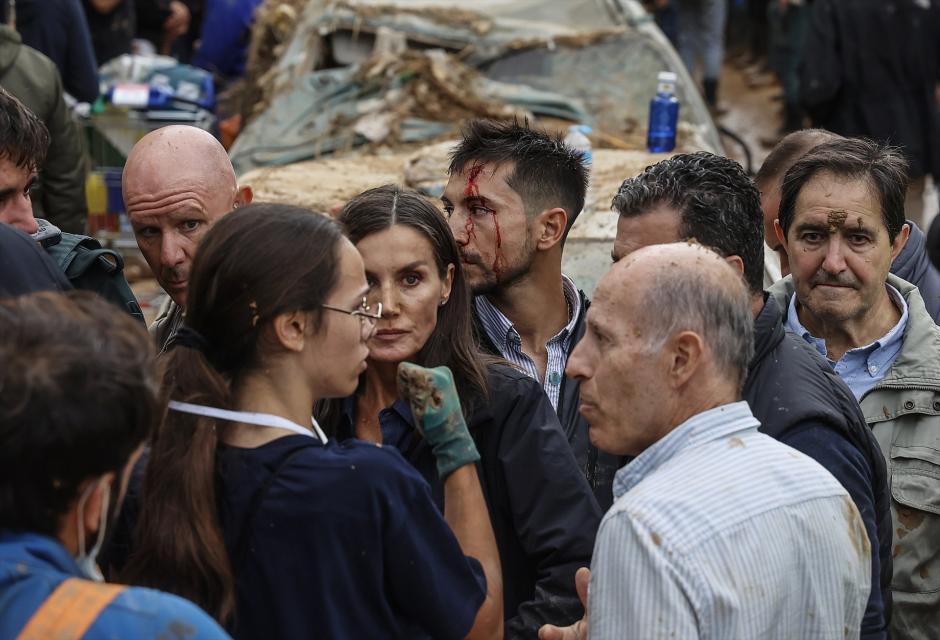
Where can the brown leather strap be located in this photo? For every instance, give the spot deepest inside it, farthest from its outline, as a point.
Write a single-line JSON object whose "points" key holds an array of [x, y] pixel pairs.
{"points": [[71, 609]]}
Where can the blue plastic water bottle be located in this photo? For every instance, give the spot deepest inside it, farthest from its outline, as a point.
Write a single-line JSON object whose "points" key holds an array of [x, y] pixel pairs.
{"points": [[664, 115]]}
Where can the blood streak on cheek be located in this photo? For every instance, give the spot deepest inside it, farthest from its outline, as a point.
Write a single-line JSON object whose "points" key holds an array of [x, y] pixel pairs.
{"points": [[472, 191], [470, 230], [499, 260]]}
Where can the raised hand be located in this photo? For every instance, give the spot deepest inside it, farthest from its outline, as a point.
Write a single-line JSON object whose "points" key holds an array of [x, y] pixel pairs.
{"points": [[434, 402]]}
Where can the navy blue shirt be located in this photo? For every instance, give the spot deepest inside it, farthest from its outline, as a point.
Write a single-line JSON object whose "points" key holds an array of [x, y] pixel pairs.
{"points": [[542, 509], [346, 543]]}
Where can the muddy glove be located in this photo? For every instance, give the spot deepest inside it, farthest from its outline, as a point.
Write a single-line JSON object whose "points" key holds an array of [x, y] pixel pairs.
{"points": [[436, 409]]}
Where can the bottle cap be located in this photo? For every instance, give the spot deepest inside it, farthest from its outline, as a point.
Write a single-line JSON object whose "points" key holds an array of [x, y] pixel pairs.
{"points": [[667, 76]]}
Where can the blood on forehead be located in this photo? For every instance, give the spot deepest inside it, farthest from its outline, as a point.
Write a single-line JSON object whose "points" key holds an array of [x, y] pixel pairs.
{"points": [[473, 178]]}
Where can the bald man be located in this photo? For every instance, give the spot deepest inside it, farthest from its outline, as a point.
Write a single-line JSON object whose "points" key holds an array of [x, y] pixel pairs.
{"points": [[717, 530], [178, 181]]}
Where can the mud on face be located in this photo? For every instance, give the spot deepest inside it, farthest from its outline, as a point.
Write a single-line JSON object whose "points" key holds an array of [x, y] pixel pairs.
{"points": [[836, 219]]}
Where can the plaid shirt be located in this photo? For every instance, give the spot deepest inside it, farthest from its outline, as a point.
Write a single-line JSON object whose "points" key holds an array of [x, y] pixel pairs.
{"points": [[503, 334]]}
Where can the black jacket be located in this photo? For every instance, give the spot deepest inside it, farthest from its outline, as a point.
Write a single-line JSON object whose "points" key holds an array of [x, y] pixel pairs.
{"points": [[801, 402], [543, 514], [913, 265], [598, 467], [870, 67]]}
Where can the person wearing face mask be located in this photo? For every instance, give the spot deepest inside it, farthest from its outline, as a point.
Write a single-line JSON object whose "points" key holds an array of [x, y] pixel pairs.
{"points": [[61, 488], [542, 509], [249, 510]]}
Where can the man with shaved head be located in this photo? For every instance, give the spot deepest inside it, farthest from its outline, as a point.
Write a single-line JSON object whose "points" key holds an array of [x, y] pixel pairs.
{"points": [[178, 181], [717, 531]]}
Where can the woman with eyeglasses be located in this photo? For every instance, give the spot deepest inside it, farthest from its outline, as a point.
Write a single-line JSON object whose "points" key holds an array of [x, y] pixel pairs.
{"points": [[248, 509], [541, 508]]}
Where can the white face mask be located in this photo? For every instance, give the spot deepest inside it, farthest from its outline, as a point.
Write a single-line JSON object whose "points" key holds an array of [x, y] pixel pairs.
{"points": [[87, 561]]}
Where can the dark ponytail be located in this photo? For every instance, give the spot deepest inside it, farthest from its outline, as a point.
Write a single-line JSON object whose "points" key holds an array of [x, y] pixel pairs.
{"points": [[253, 265]]}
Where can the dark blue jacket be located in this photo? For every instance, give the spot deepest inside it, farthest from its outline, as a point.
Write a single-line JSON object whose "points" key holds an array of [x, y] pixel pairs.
{"points": [[226, 31], [58, 28], [801, 402], [33, 566], [913, 265]]}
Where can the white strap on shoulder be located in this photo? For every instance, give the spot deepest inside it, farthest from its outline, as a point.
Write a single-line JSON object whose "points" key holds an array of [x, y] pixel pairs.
{"points": [[246, 417]]}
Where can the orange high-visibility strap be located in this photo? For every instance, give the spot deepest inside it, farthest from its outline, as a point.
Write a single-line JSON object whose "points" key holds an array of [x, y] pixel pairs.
{"points": [[71, 609]]}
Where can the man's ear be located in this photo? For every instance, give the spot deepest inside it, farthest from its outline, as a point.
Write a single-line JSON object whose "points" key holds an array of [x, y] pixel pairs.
{"points": [[900, 241], [737, 263], [551, 225], [290, 329], [781, 236], [91, 510], [243, 196], [685, 350]]}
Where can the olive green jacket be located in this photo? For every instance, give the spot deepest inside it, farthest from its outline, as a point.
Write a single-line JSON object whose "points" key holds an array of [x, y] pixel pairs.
{"points": [[903, 411], [34, 79]]}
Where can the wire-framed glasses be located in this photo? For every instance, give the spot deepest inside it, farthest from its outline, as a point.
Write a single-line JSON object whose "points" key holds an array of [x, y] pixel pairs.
{"points": [[367, 318]]}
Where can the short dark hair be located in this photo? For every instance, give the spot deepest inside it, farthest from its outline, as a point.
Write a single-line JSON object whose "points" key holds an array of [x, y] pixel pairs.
{"points": [[881, 165], [790, 149], [24, 139], [546, 172], [718, 206], [79, 392]]}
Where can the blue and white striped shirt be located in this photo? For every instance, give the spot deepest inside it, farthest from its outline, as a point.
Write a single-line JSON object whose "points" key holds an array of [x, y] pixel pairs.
{"points": [[719, 531], [504, 336]]}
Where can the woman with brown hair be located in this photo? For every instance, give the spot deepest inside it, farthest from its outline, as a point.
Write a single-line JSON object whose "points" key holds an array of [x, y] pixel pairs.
{"points": [[541, 508], [249, 510]]}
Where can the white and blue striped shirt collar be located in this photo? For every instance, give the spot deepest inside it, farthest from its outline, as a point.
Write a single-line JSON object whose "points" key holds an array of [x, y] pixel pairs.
{"points": [[501, 332], [714, 424]]}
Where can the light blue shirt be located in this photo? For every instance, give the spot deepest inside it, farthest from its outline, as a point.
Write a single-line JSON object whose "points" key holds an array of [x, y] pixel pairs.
{"points": [[719, 531], [507, 340], [863, 367]]}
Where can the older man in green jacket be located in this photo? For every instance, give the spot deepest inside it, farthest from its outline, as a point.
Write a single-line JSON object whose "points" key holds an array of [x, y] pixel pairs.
{"points": [[842, 222], [34, 79]]}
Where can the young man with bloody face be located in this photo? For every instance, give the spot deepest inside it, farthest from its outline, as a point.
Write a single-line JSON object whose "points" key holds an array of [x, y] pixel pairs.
{"points": [[513, 194], [842, 223]]}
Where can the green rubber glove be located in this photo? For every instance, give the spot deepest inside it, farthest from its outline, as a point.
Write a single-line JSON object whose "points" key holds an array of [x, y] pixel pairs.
{"points": [[436, 409]]}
